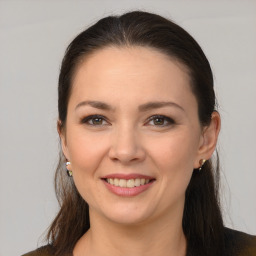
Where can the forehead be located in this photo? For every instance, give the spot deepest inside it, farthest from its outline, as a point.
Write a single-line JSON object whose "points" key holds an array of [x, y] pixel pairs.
{"points": [[133, 60], [131, 72]]}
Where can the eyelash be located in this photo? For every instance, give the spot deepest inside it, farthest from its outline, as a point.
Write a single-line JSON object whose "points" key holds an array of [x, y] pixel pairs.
{"points": [[91, 117]]}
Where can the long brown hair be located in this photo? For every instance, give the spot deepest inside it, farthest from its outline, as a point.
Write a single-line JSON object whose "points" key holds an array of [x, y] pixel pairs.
{"points": [[202, 220]]}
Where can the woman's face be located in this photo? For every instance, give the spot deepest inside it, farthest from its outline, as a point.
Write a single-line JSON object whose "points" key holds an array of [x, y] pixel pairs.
{"points": [[132, 121]]}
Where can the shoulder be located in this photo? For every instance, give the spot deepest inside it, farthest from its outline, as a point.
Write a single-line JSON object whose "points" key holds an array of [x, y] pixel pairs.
{"points": [[42, 251], [240, 243]]}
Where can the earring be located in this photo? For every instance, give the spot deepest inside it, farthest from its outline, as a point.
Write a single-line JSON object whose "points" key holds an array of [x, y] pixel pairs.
{"points": [[202, 161], [70, 173]]}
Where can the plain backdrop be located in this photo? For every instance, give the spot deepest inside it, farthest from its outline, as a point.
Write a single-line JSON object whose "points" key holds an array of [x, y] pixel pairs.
{"points": [[33, 37]]}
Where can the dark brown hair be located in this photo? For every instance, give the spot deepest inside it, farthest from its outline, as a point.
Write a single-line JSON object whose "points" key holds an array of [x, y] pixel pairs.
{"points": [[202, 220]]}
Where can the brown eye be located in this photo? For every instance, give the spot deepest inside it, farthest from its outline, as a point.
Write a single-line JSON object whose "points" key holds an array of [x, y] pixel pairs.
{"points": [[94, 120], [160, 120]]}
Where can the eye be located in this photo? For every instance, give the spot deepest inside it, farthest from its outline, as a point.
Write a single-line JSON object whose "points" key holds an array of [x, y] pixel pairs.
{"points": [[94, 120], [160, 120]]}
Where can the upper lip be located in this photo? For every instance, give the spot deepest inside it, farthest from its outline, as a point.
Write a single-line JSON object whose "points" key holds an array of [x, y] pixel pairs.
{"points": [[127, 176]]}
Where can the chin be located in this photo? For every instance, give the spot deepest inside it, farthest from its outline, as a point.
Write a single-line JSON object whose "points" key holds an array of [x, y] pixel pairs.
{"points": [[128, 219], [127, 214]]}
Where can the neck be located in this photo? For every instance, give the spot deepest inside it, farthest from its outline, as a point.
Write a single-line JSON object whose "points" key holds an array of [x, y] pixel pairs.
{"points": [[161, 237]]}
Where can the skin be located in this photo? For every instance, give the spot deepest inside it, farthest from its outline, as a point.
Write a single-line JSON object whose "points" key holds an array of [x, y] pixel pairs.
{"points": [[126, 141]]}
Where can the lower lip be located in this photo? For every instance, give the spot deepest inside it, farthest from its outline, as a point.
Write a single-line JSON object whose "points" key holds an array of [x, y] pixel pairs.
{"points": [[128, 191]]}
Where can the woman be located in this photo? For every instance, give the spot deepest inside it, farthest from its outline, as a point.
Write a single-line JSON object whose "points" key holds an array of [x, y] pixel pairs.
{"points": [[138, 127]]}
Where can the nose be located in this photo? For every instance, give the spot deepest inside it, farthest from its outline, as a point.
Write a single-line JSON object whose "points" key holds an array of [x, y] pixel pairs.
{"points": [[126, 147]]}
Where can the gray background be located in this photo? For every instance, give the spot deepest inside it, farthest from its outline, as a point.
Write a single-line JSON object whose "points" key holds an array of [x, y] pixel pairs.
{"points": [[33, 37]]}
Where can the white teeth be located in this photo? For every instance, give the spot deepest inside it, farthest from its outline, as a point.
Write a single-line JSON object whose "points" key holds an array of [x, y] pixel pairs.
{"points": [[137, 182], [116, 182], [122, 183], [131, 183]]}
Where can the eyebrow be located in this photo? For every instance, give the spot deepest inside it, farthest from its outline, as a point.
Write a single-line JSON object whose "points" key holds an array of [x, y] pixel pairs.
{"points": [[142, 108], [95, 104], [158, 104]]}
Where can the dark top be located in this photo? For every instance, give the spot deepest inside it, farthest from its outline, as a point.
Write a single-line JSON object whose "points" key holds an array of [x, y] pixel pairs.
{"points": [[242, 244]]}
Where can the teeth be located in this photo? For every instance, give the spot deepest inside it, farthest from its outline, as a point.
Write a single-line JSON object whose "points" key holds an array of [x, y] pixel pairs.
{"points": [[116, 182], [131, 183], [122, 183], [137, 182]]}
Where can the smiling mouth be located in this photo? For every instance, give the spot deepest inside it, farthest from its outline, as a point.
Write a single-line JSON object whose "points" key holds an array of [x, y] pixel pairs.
{"points": [[130, 183]]}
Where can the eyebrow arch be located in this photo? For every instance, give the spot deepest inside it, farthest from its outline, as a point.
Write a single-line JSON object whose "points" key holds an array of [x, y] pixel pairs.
{"points": [[142, 108], [158, 104], [95, 104]]}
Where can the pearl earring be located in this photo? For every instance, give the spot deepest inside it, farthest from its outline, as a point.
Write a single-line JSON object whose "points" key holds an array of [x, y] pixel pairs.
{"points": [[202, 163], [70, 173]]}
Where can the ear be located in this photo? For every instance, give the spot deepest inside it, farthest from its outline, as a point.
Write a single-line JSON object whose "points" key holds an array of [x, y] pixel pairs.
{"points": [[208, 139], [62, 135]]}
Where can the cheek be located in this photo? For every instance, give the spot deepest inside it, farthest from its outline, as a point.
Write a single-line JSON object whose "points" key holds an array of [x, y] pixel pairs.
{"points": [[175, 153], [86, 154], [86, 150], [174, 157]]}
